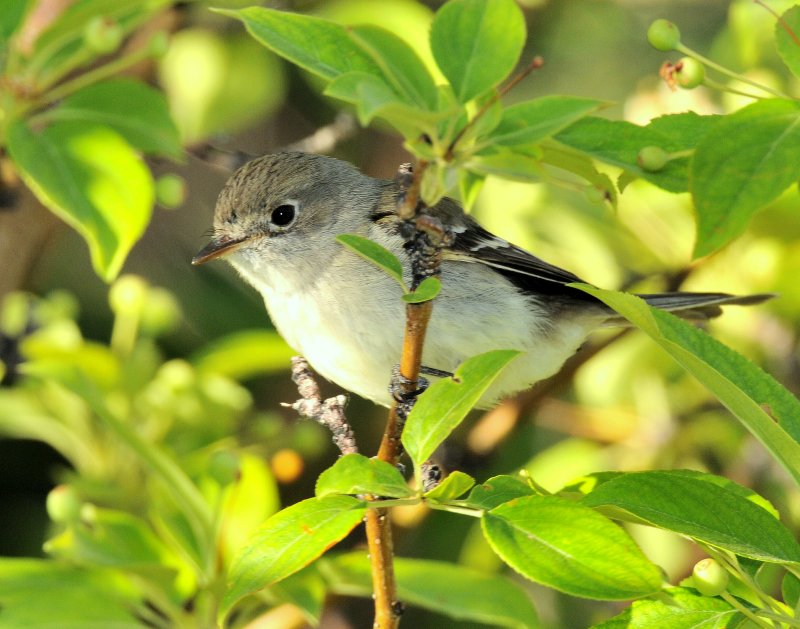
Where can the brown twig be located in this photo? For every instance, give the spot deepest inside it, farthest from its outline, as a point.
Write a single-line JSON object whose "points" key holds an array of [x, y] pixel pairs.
{"points": [[329, 412]]}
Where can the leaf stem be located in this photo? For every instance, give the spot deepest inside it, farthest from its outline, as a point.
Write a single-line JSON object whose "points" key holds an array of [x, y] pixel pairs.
{"points": [[734, 602], [723, 70]]}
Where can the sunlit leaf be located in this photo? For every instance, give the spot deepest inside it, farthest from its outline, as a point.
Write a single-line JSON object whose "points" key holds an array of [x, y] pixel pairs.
{"points": [[440, 587], [357, 474], [134, 110], [569, 547], [766, 408], [454, 485], [496, 491], [90, 177], [290, 540], [375, 253], [741, 165], [476, 44], [245, 354], [686, 611], [446, 403], [700, 510], [427, 290]]}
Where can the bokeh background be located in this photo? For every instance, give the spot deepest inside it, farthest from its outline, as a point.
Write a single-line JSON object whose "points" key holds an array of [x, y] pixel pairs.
{"points": [[625, 407]]}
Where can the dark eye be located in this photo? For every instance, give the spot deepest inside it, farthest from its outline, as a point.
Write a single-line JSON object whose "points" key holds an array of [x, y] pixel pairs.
{"points": [[282, 215]]}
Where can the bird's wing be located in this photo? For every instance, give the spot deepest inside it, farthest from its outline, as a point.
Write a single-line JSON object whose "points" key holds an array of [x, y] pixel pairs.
{"points": [[523, 269]]}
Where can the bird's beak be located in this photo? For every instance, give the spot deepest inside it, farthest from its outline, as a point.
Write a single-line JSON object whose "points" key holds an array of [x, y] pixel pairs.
{"points": [[217, 248]]}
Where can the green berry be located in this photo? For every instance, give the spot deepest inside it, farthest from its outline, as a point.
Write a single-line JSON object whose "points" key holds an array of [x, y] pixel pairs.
{"points": [[663, 35], [160, 312], [689, 73], [102, 35], [652, 158], [171, 190], [710, 579], [63, 504]]}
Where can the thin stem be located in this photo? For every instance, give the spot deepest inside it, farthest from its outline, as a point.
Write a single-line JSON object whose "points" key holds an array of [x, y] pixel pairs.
{"points": [[473, 513], [783, 23], [782, 618], [536, 63], [723, 70], [733, 602], [716, 85]]}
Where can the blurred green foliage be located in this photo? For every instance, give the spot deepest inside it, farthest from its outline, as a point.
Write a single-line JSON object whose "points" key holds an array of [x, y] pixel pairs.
{"points": [[105, 382]]}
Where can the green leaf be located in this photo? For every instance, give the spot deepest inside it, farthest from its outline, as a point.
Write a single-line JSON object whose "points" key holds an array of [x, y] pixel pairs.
{"points": [[476, 44], [496, 491], [618, 143], [39, 593], [570, 160], [699, 509], [320, 46], [244, 354], [507, 164], [569, 547], [469, 187], [786, 32], [357, 474], [289, 541], [10, 18], [400, 65], [446, 403], [375, 253], [440, 587], [746, 161], [136, 111], [456, 484], [373, 97], [90, 177], [765, 408], [306, 590], [687, 610], [790, 590], [532, 121], [427, 290]]}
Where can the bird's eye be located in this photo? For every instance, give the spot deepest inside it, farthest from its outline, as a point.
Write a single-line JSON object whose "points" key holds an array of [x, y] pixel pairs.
{"points": [[283, 214]]}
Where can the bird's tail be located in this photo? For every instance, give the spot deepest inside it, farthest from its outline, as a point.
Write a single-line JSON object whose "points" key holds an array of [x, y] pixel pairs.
{"points": [[701, 306]]}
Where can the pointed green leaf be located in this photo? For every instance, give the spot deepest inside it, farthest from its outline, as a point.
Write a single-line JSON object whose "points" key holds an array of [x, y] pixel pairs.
{"points": [[746, 161], [400, 65], [569, 547], [446, 403], [290, 540], [701, 510], [766, 408], [90, 177], [320, 46], [456, 484], [496, 491], [375, 253], [136, 111], [532, 121], [507, 164], [357, 474], [787, 30], [440, 587], [618, 143], [687, 610], [244, 354], [427, 290], [476, 43]]}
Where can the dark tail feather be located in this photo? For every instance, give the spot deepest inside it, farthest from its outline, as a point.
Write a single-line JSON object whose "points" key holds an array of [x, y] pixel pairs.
{"points": [[701, 306]]}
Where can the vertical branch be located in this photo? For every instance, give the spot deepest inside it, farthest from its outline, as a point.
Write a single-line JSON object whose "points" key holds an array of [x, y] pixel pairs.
{"points": [[424, 237]]}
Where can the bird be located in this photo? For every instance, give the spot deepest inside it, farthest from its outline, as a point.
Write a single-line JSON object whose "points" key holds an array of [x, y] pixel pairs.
{"points": [[276, 222]]}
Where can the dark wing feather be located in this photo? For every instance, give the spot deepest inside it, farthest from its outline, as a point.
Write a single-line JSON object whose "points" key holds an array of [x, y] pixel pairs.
{"points": [[527, 272]]}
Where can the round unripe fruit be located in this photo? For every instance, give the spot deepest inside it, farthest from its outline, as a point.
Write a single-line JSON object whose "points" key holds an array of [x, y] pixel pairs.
{"points": [[710, 579], [689, 73], [127, 294], [652, 158], [63, 504], [170, 190], [663, 35], [102, 35]]}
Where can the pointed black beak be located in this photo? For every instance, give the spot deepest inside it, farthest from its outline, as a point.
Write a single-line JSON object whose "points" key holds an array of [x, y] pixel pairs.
{"points": [[217, 248]]}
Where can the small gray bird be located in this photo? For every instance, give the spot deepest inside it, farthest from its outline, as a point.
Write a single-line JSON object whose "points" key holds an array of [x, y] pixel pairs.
{"points": [[276, 221]]}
